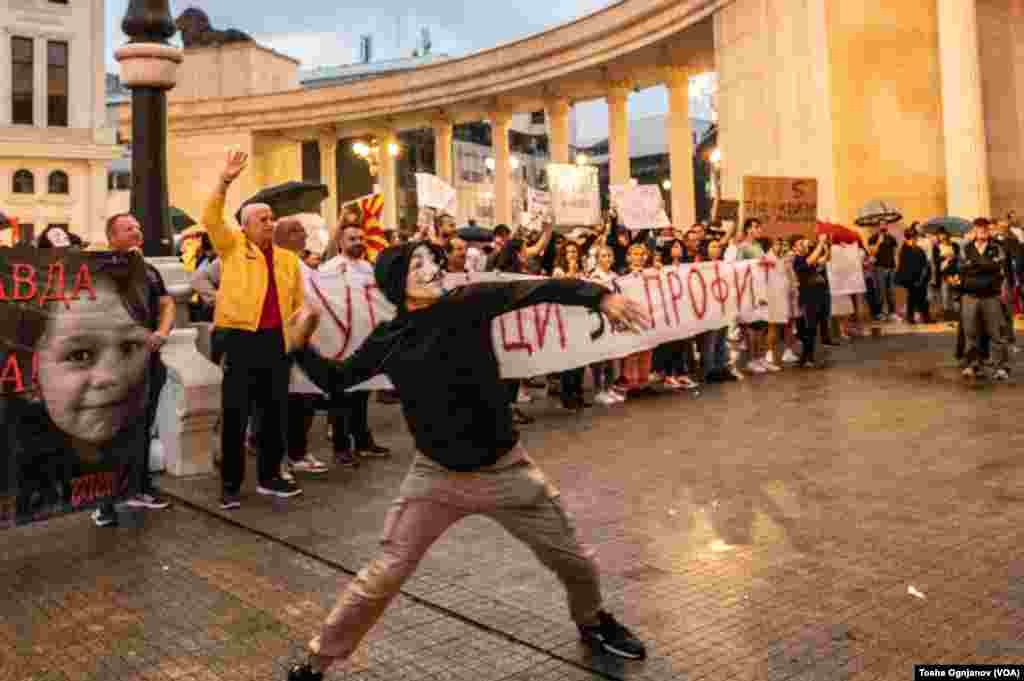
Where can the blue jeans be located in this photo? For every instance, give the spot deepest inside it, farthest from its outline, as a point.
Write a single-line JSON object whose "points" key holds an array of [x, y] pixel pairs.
{"points": [[884, 286], [713, 351]]}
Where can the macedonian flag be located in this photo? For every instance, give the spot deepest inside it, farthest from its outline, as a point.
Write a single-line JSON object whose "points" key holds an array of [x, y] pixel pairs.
{"points": [[371, 207]]}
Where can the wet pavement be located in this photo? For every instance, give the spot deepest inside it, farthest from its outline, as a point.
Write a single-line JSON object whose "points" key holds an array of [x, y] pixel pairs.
{"points": [[844, 523]]}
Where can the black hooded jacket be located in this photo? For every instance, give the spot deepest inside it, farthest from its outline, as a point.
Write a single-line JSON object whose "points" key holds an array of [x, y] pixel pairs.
{"points": [[441, 360]]}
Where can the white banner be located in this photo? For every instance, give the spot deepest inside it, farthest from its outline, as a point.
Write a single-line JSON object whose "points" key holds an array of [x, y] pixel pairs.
{"points": [[433, 192], [575, 198], [683, 301], [538, 207], [846, 270], [639, 206]]}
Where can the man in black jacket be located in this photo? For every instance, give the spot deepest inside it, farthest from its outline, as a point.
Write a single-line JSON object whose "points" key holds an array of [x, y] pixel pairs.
{"points": [[439, 355], [982, 268]]}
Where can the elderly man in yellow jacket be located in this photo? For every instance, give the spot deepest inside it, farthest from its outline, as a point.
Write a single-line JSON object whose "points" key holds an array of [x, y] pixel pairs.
{"points": [[260, 288]]}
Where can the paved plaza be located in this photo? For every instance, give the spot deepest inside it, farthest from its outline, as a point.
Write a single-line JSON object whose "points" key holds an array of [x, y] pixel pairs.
{"points": [[832, 525]]}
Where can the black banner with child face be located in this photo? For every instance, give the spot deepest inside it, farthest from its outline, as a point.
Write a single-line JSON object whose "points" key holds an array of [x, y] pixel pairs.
{"points": [[73, 380]]}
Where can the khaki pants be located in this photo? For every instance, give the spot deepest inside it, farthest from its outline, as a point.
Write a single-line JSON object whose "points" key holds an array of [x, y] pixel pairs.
{"points": [[513, 492]]}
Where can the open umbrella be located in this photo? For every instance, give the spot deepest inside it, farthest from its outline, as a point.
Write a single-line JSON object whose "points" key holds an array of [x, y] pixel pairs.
{"points": [[839, 234], [878, 213], [290, 198], [954, 226], [180, 219], [476, 233]]}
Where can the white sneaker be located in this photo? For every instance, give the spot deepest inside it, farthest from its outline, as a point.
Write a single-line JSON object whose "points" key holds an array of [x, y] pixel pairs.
{"points": [[770, 366], [524, 397], [616, 395], [756, 366], [1001, 375], [969, 372], [737, 374], [605, 399], [286, 474], [790, 357], [308, 464]]}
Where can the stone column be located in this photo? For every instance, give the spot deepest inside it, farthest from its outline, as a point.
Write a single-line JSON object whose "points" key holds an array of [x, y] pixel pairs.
{"points": [[618, 133], [96, 203], [963, 116], [680, 146], [6, 86], [500, 124], [388, 178], [328, 144], [557, 113], [149, 67], [443, 131]]}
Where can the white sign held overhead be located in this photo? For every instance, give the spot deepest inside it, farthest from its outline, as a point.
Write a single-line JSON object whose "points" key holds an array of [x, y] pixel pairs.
{"points": [[433, 192], [538, 207], [846, 270], [639, 206], [575, 198]]}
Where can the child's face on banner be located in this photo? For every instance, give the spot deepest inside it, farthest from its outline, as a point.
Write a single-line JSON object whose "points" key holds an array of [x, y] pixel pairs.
{"points": [[92, 366]]}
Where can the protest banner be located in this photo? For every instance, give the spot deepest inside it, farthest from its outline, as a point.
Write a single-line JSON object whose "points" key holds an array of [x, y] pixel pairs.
{"points": [[575, 198], [639, 206], [726, 209], [73, 380], [846, 270], [538, 208], [683, 302], [784, 205], [433, 192]]}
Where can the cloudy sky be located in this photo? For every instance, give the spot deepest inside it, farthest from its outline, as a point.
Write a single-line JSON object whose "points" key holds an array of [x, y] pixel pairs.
{"points": [[326, 32]]}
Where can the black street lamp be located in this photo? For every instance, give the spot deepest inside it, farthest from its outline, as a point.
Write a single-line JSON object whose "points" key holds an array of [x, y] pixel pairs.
{"points": [[148, 66]]}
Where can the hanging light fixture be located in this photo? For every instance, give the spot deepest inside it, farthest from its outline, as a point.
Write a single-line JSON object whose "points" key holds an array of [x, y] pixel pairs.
{"points": [[370, 152]]}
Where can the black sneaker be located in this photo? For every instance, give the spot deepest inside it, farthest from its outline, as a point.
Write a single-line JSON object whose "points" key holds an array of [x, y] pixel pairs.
{"points": [[278, 488], [229, 502], [304, 672], [147, 500], [614, 638], [104, 516]]}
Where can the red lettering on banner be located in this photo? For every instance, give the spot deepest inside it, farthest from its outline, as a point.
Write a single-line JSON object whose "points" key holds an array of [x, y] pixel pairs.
{"points": [[522, 343], [699, 313], [368, 294], [83, 280], [54, 285], [720, 287], [742, 286], [541, 325], [11, 374], [676, 295], [23, 274], [346, 326], [661, 293]]}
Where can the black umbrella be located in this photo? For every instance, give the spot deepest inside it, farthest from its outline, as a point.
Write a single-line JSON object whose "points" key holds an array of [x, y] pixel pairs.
{"points": [[290, 198], [953, 226], [180, 219], [878, 213], [476, 233]]}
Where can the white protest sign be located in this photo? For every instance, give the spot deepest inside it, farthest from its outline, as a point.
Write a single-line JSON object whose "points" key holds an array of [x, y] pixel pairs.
{"points": [[639, 206], [846, 270], [433, 192], [683, 301], [538, 207], [575, 198]]}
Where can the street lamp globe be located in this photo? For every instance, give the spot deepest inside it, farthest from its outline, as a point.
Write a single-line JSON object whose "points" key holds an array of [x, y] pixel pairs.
{"points": [[489, 162], [582, 159], [716, 156], [666, 185]]}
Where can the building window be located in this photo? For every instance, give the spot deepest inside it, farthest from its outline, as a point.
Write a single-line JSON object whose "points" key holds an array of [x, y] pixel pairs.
{"points": [[58, 2], [24, 182], [57, 83], [58, 182], [23, 77], [27, 233], [123, 181], [537, 118]]}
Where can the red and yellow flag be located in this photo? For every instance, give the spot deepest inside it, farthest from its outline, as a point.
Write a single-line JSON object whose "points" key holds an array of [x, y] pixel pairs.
{"points": [[371, 207]]}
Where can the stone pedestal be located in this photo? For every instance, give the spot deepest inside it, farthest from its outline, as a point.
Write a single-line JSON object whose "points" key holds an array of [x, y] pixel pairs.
{"points": [[190, 401], [189, 409]]}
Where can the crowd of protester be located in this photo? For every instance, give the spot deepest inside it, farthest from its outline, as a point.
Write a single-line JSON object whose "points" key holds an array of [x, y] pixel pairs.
{"points": [[248, 282]]}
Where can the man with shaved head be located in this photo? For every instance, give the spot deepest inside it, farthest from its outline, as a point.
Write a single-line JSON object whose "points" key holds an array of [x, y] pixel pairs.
{"points": [[260, 286]]}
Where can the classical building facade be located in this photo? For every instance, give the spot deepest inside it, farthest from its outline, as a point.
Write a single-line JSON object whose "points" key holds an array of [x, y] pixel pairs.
{"points": [[916, 103], [55, 140]]}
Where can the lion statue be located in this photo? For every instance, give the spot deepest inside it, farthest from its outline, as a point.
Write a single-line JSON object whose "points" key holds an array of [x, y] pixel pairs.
{"points": [[196, 31]]}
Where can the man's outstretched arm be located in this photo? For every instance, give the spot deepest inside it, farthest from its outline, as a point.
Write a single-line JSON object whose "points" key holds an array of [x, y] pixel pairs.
{"points": [[331, 375]]}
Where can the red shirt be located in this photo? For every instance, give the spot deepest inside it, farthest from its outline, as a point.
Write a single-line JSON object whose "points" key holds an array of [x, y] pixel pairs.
{"points": [[270, 318]]}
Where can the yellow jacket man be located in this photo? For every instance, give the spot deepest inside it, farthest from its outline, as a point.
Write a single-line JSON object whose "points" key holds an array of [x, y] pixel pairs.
{"points": [[260, 288]]}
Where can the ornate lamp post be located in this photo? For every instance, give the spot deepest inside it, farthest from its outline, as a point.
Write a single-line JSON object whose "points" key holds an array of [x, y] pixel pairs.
{"points": [[148, 67]]}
